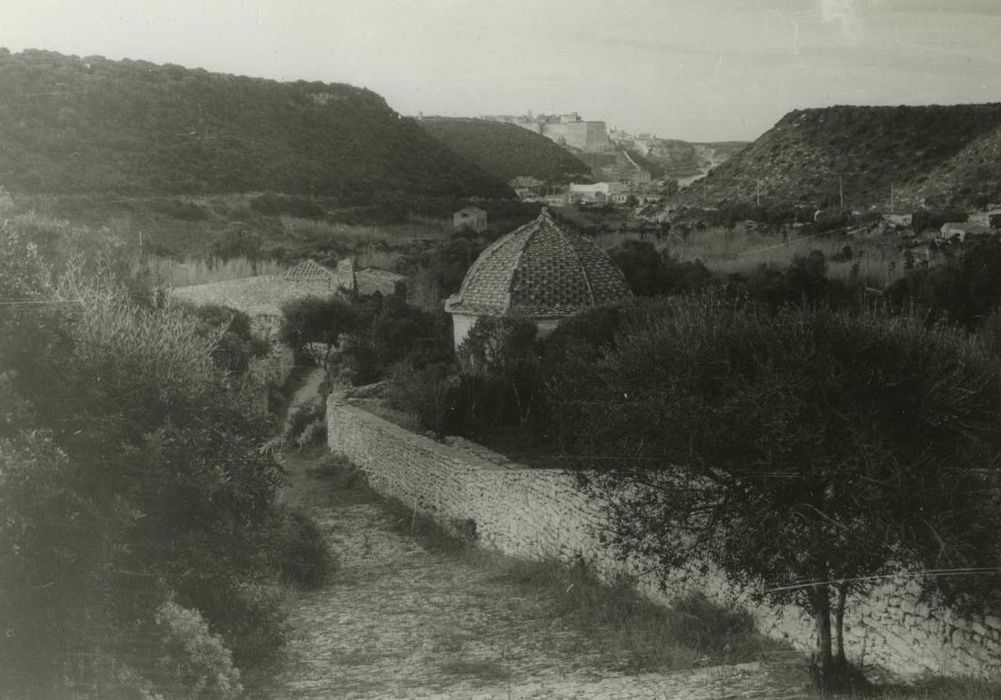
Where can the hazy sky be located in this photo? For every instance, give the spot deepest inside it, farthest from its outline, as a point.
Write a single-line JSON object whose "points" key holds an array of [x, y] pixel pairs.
{"points": [[692, 69]]}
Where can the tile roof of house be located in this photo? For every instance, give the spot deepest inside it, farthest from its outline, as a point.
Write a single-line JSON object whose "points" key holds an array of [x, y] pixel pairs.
{"points": [[308, 271], [540, 269]]}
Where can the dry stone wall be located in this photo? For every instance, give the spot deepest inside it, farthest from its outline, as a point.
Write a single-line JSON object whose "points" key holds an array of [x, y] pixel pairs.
{"points": [[539, 514]]}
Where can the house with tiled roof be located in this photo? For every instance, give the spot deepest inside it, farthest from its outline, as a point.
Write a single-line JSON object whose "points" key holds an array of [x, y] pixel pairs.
{"points": [[262, 297], [542, 271]]}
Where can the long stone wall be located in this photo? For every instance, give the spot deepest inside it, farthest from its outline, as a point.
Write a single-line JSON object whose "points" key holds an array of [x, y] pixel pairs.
{"points": [[539, 514]]}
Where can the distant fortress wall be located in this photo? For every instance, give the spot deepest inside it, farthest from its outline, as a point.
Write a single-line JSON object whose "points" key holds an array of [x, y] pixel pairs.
{"points": [[587, 136], [540, 514], [565, 129]]}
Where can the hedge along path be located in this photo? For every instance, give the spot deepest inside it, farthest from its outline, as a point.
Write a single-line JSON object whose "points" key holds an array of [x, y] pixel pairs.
{"points": [[400, 621]]}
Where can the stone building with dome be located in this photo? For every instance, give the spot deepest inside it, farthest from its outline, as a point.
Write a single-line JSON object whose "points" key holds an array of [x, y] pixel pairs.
{"points": [[542, 271]]}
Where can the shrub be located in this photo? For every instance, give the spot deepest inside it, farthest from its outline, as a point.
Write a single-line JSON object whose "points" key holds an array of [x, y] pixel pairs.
{"points": [[237, 241], [313, 434], [805, 281], [149, 484], [652, 273], [193, 663], [313, 320], [250, 618], [932, 219], [235, 344], [430, 393], [299, 551], [499, 356], [590, 333], [963, 291], [298, 428], [279, 205], [394, 332]]}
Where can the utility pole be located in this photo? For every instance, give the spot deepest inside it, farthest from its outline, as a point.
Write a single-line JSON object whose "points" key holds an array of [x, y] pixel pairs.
{"points": [[757, 192], [841, 190], [140, 244], [891, 197]]}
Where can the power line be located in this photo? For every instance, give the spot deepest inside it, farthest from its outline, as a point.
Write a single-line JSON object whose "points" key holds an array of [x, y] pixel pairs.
{"points": [[928, 573]]}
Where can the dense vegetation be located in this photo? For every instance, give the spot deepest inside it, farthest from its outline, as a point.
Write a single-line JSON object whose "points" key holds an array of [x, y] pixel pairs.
{"points": [[141, 549], [972, 175], [91, 125], [810, 155], [506, 150], [868, 432], [803, 452]]}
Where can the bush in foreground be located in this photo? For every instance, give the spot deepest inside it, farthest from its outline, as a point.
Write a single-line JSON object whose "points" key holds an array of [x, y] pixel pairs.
{"points": [[132, 478]]}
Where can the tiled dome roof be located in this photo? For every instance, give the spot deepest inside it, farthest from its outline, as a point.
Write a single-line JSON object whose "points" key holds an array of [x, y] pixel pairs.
{"points": [[540, 269]]}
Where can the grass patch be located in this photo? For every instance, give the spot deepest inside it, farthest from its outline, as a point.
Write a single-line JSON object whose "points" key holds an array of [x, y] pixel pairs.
{"points": [[298, 550], [338, 472], [481, 671], [793, 669], [646, 637], [331, 480], [313, 233], [945, 689], [429, 533], [725, 251], [206, 271], [450, 642]]}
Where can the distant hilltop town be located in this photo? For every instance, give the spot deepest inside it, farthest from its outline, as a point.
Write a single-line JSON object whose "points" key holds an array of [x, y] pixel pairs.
{"points": [[566, 129]]}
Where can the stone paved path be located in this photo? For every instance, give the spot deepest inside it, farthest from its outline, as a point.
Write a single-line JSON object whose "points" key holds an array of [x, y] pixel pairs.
{"points": [[399, 621]]}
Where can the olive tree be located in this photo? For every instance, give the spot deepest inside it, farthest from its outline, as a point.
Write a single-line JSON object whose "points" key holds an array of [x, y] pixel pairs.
{"points": [[805, 453], [314, 320], [501, 352]]}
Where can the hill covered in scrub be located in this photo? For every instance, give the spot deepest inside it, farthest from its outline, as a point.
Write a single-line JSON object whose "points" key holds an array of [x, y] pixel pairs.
{"points": [[971, 176], [680, 159], [92, 125], [506, 150], [942, 154]]}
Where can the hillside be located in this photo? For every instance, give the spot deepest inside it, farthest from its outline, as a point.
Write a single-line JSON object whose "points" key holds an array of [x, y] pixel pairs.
{"points": [[971, 176], [674, 158], [92, 125], [506, 150], [943, 153]]}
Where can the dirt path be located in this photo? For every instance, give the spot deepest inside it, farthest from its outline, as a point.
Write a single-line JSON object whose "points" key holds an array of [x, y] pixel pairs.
{"points": [[399, 621], [308, 390]]}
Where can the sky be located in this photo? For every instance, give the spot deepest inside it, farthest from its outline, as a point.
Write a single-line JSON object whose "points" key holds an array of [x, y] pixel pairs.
{"points": [[698, 70]]}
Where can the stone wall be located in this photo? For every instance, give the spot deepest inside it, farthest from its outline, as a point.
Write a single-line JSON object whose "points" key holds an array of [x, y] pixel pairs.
{"points": [[539, 514], [589, 136]]}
